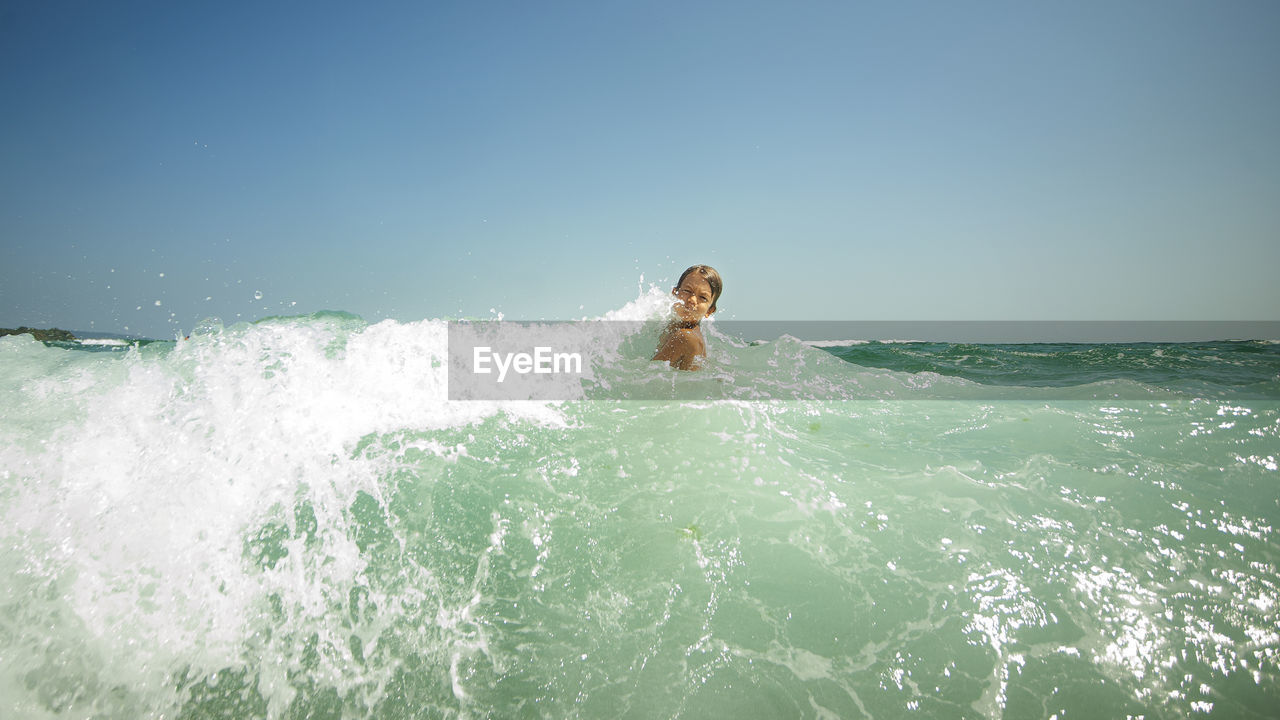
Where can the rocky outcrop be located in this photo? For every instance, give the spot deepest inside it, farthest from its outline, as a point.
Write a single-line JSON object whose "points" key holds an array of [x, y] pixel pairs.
{"points": [[50, 335]]}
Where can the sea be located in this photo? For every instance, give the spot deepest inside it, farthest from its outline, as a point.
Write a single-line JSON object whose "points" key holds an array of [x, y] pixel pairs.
{"points": [[293, 518]]}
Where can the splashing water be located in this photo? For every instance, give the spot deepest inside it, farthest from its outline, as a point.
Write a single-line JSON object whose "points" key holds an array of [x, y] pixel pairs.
{"points": [[290, 519]]}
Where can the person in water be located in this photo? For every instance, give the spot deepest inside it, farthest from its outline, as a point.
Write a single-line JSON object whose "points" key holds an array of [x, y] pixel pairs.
{"points": [[681, 344]]}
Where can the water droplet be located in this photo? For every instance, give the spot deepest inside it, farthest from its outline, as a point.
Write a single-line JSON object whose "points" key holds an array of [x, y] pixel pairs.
{"points": [[257, 294]]}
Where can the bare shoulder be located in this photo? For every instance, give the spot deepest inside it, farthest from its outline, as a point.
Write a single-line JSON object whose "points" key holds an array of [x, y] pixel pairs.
{"points": [[681, 348]]}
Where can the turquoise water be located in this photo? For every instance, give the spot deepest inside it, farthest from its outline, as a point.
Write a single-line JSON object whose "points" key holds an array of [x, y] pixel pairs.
{"points": [[290, 520]]}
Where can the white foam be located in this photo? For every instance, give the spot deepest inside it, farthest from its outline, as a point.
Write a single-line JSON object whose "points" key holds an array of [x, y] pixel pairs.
{"points": [[163, 463], [653, 303]]}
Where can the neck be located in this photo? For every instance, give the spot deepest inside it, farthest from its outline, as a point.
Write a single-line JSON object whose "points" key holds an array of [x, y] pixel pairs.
{"points": [[686, 324]]}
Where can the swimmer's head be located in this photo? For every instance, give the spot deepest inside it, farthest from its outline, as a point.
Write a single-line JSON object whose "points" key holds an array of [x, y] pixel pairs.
{"points": [[707, 273]]}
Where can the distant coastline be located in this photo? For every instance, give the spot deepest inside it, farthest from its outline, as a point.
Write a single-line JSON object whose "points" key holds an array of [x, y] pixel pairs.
{"points": [[50, 335]]}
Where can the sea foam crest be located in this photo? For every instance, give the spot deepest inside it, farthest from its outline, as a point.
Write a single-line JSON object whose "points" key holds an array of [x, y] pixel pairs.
{"points": [[134, 489]]}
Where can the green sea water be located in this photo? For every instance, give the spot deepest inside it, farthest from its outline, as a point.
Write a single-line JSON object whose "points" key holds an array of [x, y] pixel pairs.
{"points": [[290, 520]]}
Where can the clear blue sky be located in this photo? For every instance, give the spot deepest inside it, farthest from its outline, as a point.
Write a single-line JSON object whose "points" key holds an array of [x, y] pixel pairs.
{"points": [[835, 160]]}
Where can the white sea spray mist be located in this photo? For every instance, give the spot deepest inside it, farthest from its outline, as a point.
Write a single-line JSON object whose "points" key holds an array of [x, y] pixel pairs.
{"points": [[139, 504]]}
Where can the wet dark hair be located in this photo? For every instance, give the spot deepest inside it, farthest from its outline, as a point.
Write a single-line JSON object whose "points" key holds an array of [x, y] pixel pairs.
{"points": [[712, 278]]}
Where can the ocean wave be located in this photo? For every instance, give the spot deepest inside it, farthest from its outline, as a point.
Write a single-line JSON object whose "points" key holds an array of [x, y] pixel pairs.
{"points": [[292, 517]]}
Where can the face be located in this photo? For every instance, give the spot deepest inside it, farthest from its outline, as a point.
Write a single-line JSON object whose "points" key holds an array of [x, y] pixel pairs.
{"points": [[694, 296]]}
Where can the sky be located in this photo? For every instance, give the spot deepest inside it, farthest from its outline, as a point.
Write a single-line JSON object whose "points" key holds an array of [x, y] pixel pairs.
{"points": [[162, 163]]}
